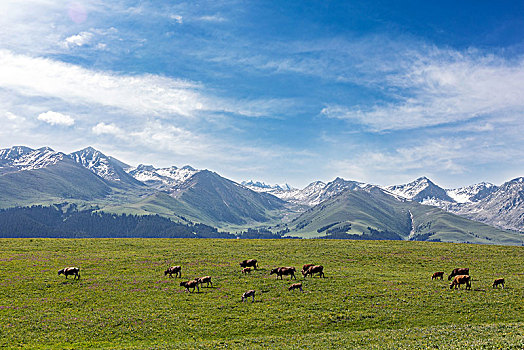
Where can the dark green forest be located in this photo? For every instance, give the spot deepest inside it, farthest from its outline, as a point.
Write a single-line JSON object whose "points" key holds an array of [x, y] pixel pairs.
{"points": [[69, 222]]}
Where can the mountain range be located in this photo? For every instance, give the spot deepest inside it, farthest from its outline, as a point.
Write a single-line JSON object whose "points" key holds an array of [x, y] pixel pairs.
{"points": [[481, 213]]}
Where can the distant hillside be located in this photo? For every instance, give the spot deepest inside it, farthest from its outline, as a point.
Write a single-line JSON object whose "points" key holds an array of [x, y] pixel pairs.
{"points": [[56, 182], [209, 198], [371, 211], [222, 200]]}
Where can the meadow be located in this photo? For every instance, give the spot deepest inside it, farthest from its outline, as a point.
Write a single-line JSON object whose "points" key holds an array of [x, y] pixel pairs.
{"points": [[376, 294]]}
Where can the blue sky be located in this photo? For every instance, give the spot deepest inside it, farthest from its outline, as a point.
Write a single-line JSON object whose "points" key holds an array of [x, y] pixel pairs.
{"points": [[296, 91]]}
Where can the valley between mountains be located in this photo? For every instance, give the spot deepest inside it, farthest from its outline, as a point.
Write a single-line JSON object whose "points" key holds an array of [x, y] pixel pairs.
{"points": [[91, 182]]}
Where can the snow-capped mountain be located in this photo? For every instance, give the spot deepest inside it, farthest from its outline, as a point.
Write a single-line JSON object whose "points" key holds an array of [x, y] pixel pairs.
{"points": [[29, 176], [102, 165], [311, 195], [473, 193], [8, 155], [161, 178], [422, 190], [503, 208], [24, 158]]}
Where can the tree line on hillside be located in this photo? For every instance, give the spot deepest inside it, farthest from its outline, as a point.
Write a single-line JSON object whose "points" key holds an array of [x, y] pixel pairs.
{"points": [[70, 222], [66, 220]]}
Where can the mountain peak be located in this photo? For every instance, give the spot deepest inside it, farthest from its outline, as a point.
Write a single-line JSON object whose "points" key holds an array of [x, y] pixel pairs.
{"points": [[165, 179], [106, 167], [89, 149], [45, 149], [420, 190], [14, 152], [24, 158]]}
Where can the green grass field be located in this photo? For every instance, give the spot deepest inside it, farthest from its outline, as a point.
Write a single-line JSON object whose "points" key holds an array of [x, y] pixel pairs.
{"points": [[376, 294]]}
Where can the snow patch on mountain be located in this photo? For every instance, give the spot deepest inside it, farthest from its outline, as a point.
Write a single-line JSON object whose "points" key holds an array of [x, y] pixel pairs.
{"points": [[24, 158], [472, 193], [503, 208], [313, 194], [8, 155], [161, 178], [259, 186], [97, 162]]}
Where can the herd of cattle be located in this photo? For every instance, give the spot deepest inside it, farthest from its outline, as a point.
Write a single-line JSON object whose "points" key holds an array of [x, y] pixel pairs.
{"points": [[459, 275], [307, 270]]}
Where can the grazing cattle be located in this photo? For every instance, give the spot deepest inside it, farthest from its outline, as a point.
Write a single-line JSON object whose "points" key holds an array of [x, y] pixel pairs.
{"points": [[70, 271], [296, 286], [176, 270], [306, 267], [246, 270], [203, 280], [314, 269], [498, 281], [190, 284], [251, 262], [461, 279], [457, 272], [281, 271], [249, 293], [437, 275]]}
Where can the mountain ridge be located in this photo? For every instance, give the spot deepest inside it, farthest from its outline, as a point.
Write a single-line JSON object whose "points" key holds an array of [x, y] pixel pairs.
{"points": [[29, 176]]}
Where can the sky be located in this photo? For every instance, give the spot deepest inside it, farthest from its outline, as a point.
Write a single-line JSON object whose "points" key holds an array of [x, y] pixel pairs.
{"points": [[381, 92]]}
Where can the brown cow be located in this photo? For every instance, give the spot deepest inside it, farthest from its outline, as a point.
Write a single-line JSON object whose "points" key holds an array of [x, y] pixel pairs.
{"points": [[437, 275], [177, 270], [250, 262], [281, 271], [190, 284], [249, 293], [498, 281], [314, 269], [461, 279], [246, 270], [66, 271], [457, 272], [203, 280], [306, 267], [296, 286]]}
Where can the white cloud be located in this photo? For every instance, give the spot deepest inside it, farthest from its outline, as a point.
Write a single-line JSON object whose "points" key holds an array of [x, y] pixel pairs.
{"points": [[145, 94], [80, 39], [111, 129], [55, 118]]}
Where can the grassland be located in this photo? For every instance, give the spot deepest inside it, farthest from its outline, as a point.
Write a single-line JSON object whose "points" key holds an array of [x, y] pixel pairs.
{"points": [[376, 294]]}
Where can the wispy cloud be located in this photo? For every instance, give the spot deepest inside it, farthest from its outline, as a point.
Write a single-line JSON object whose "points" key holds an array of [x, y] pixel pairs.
{"points": [[211, 18], [446, 87], [145, 94]]}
